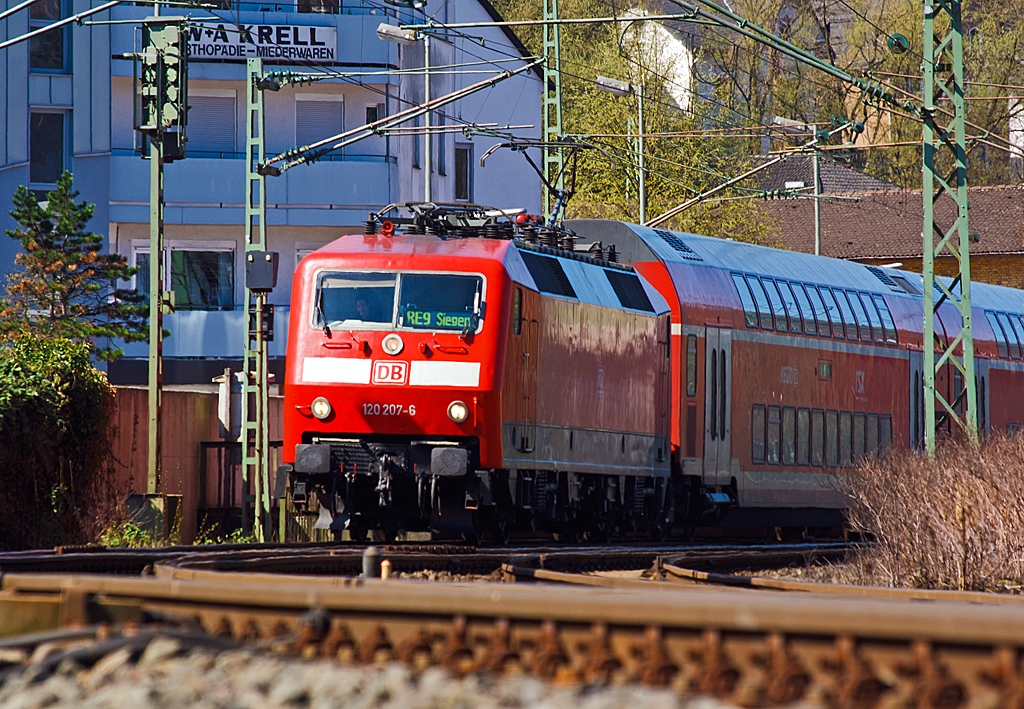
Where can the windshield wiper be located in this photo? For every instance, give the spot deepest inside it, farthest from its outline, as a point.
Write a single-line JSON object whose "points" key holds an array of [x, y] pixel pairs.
{"points": [[319, 306]]}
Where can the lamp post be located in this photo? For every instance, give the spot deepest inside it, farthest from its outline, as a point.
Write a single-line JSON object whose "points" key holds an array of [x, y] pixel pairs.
{"points": [[791, 126], [391, 33], [624, 89]]}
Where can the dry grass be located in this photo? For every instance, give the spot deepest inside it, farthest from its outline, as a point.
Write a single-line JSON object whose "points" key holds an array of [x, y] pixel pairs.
{"points": [[955, 521]]}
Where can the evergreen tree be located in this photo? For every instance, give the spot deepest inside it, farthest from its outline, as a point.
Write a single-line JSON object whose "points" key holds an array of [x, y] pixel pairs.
{"points": [[67, 287]]}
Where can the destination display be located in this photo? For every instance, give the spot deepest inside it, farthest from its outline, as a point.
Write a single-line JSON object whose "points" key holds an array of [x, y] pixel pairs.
{"points": [[226, 41], [437, 319]]}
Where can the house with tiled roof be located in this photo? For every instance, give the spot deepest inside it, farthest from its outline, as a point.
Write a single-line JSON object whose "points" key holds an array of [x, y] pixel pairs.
{"points": [[884, 227]]}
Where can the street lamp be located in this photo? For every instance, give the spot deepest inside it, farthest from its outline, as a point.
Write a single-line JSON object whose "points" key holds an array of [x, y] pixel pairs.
{"points": [[788, 125], [390, 33], [624, 89]]}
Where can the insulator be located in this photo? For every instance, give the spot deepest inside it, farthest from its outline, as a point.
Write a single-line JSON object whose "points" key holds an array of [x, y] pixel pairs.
{"points": [[491, 230], [567, 242], [370, 226], [528, 233], [596, 250], [468, 232], [549, 238], [613, 255]]}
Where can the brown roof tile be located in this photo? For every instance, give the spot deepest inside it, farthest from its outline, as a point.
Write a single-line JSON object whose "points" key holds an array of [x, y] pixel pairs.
{"points": [[888, 224]]}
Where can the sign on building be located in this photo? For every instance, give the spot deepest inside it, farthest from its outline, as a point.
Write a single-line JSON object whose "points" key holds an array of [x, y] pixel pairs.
{"points": [[239, 42]]}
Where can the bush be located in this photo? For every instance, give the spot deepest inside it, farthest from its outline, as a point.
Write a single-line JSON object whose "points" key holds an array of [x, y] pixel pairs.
{"points": [[56, 414], [953, 521]]}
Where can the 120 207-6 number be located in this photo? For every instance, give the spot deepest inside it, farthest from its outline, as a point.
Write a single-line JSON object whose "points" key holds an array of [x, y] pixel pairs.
{"points": [[388, 409]]}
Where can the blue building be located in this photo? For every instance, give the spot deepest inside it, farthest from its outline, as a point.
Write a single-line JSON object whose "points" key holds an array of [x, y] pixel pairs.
{"points": [[67, 103]]}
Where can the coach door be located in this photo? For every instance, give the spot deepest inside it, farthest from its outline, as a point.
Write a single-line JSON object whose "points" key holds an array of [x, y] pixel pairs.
{"points": [[717, 405]]}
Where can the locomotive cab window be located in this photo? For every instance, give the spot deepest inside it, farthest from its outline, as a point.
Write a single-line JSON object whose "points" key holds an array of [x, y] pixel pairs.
{"points": [[353, 299], [440, 302]]}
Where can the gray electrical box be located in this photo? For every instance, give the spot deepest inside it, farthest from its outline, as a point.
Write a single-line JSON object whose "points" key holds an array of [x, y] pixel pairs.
{"points": [[261, 270]]}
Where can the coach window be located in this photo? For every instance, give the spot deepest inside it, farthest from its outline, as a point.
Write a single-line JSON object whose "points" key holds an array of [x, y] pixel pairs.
{"points": [[691, 365], [820, 312], [803, 437], [998, 330], [517, 311], [781, 320], [885, 433], [845, 438], [887, 321], [774, 442], [871, 439], [859, 435], [860, 315], [831, 438], [1011, 336], [817, 437], [876, 319], [806, 309], [788, 435], [749, 309], [833, 312], [796, 323], [848, 317], [764, 310], [757, 426], [1018, 330]]}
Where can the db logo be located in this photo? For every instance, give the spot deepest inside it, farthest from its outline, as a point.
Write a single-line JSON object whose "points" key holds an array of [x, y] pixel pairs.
{"points": [[390, 372]]}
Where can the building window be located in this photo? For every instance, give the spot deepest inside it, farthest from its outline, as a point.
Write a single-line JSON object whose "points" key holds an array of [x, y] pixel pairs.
{"points": [[201, 280], [416, 143], [318, 117], [442, 154], [375, 112], [211, 122], [323, 7], [47, 51], [47, 140], [464, 173]]}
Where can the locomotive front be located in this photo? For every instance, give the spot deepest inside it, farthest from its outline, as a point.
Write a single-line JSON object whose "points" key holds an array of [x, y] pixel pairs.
{"points": [[391, 381]]}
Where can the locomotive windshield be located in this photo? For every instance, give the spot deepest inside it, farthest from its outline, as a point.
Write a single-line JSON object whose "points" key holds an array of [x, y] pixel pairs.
{"points": [[426, 301]]}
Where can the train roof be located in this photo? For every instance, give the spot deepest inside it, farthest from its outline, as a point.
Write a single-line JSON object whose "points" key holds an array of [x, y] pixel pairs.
{"points": [[550, 271], [638, 243]]}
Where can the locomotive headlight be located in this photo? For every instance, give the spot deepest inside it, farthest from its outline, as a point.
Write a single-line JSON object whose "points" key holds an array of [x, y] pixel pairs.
{"points": [[457, 411], [393, 344], [321, 408]]}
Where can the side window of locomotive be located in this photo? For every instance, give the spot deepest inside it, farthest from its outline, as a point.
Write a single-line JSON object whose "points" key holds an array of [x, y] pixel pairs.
{"points": [[774, 443], [861, 316], [757, 429], [803, 437], [820, 312], [781, 319], [834, 315], [847, 311], [353, 299], [796, 323], [845, 438], [831, 438], [876, 320], [1011, 337], [817, 437], [998, 330], [517, 311], [887, 321], [764, 310], [749, 309], [440, 302], [691, 365]]}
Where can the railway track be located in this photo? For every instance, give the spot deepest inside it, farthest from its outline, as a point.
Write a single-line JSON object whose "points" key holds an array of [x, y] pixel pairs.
{"points": [[752, 643]]}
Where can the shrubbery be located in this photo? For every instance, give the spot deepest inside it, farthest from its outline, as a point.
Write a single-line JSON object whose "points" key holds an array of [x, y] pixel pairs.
{"points": [[954, 521], [56, 416]]}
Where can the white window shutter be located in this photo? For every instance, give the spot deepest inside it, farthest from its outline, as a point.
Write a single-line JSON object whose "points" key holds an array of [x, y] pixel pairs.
{"points": [[316, 120], [211, 124]]}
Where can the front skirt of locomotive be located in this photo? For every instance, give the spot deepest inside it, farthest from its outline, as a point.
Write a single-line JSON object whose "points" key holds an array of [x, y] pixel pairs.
{"points": [[391, 483]]}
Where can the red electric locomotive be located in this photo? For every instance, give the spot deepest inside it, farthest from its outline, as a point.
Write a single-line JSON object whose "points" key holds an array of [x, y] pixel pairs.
{"points": [[464, 384]]}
